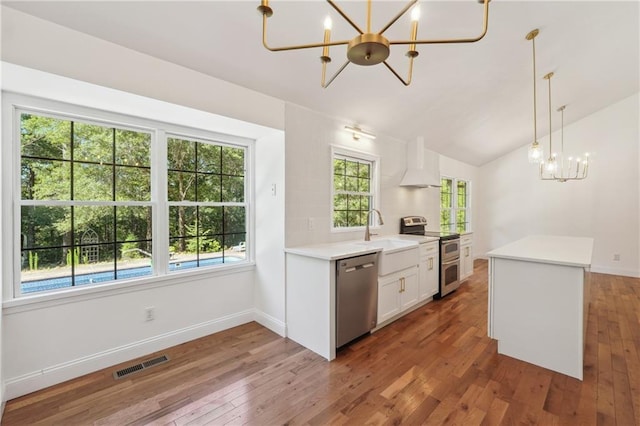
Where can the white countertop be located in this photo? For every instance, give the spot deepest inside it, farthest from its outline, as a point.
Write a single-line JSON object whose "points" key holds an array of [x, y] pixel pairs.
{"points": [[344, 249], [571, 251]]}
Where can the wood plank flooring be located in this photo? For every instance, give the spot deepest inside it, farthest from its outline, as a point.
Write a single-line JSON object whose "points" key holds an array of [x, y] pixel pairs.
{"points": [[434, 366]]}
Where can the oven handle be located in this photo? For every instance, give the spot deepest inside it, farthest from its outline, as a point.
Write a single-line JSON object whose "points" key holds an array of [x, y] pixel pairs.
{"points": [[456, 260]]}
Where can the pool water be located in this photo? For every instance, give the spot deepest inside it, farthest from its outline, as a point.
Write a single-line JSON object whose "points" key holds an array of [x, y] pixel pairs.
{"points": [[123, 274]]}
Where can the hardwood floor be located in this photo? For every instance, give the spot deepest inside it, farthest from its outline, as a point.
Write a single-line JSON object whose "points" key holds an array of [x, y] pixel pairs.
{"points": [[434, 366]]}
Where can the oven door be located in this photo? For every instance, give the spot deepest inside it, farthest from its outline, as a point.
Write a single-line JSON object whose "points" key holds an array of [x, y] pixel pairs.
{"points": [[449, 276], [449, 250]]}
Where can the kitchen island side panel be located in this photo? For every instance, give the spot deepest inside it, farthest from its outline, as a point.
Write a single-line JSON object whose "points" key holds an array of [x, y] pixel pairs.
{"points": [[537, 313], [310, 303]]}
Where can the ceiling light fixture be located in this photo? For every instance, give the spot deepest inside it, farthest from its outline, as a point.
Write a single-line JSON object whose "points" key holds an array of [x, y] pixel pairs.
{"points": [[535, 153], [569, 169], [358, 132], [369, 48]]}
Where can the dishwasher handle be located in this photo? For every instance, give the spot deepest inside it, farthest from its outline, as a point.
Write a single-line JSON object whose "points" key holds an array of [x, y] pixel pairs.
{"points": [[357, 267]]}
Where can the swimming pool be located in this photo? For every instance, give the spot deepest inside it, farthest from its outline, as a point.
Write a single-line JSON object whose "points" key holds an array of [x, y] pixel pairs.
{"points": [[100, 277]]}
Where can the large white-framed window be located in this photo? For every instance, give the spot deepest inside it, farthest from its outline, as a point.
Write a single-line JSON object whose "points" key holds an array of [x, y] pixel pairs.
{"points": [[455, 205], [354, 188], [96, 198], [206, 194]]}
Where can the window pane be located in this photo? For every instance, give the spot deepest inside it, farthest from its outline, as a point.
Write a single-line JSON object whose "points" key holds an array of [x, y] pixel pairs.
{"points": [[232, 161], [351, 184], [210, 250], [353, 218], [234, 220], [210, 222], [181, 186], [232, 189], [45, 180], [182, 222], [92, 143], [351, 168], [340, 219], [462, 194], [363, 185], [133, 223], [209, 188], [43, 226], [93, 224], [44, 270], [209, 158], [365, 202], [182, 258], [339, 183], [364, 170], [133, 148], [181, 155], [340, 202], [353, 202], [133, 184], [92, 182], [461, 220], [134, 261], [45, 137], [339, 166], [445, 220]]}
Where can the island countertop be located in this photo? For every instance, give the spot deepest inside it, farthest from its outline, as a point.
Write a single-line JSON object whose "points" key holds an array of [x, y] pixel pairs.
{"points": [[559, 250]]}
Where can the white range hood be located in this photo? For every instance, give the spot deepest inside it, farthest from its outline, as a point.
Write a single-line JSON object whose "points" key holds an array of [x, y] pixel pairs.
{"points": [[423, 166]]}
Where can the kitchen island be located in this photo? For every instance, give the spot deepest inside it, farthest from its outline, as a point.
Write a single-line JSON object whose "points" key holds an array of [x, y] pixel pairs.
{"points": [[539, 300]]}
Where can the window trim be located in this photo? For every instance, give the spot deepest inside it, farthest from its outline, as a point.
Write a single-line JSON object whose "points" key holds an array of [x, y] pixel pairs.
{"points": [[338, 150], [454, 208], [14, 104]]}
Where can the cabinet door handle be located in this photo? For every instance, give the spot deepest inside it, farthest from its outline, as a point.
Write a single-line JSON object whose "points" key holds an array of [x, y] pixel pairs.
{"points": [[430, 263], [467, 251]]}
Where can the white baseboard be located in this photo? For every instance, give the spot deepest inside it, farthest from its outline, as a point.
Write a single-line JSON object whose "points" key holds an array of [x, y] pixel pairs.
{"points": [[615, 271], [55, 374], [270, 322]]}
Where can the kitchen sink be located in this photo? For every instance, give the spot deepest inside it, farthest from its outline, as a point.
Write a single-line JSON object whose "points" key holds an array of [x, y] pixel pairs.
{"points": [[395, 255]]}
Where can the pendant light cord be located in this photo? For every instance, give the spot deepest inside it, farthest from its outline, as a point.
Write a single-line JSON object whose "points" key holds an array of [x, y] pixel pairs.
{"points": [[535, 134]]}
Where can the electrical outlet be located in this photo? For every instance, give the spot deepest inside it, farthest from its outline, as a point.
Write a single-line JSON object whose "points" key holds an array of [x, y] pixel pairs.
{"points": [[150, 313], [273, 189], [311, 224], [616, 257]]}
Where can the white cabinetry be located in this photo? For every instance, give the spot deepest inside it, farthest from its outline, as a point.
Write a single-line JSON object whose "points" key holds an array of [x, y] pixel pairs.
{"points": [[466, 256], [428, 269], [397, 292]]}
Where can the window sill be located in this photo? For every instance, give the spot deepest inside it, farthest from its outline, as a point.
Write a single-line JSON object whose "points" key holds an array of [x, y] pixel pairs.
{"points": [[73, 295]]}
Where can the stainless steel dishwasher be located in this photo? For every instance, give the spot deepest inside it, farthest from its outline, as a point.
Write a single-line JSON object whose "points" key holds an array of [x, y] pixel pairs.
{"points": [[356, 297]]}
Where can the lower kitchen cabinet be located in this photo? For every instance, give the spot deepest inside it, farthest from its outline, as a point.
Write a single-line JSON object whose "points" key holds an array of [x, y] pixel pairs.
{"points": [[428, 269], [397, 292], [466, 256]]}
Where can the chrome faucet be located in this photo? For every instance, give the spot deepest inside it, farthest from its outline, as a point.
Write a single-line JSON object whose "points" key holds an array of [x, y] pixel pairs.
{"points": [[367, 234]]}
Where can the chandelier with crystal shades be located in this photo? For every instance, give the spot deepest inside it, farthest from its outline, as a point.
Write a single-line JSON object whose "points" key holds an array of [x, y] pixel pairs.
{"points": [[368, 47], [555, 167]]}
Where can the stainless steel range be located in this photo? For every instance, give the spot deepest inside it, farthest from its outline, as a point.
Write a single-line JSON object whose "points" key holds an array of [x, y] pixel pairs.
{"points": [[449, 252]]}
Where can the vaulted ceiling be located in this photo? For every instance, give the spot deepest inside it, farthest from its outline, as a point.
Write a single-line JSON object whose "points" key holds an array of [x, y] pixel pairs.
{"points": [[472, 102]]}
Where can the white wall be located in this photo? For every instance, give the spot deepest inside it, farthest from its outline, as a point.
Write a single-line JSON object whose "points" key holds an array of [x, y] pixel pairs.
{"points": [[46, 343], [269, 235], [309, 136], [42, 45], [512, 202]]}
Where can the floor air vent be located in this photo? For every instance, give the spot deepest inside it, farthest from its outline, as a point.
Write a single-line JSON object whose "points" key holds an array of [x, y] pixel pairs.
{"points": [[138, 367]]}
